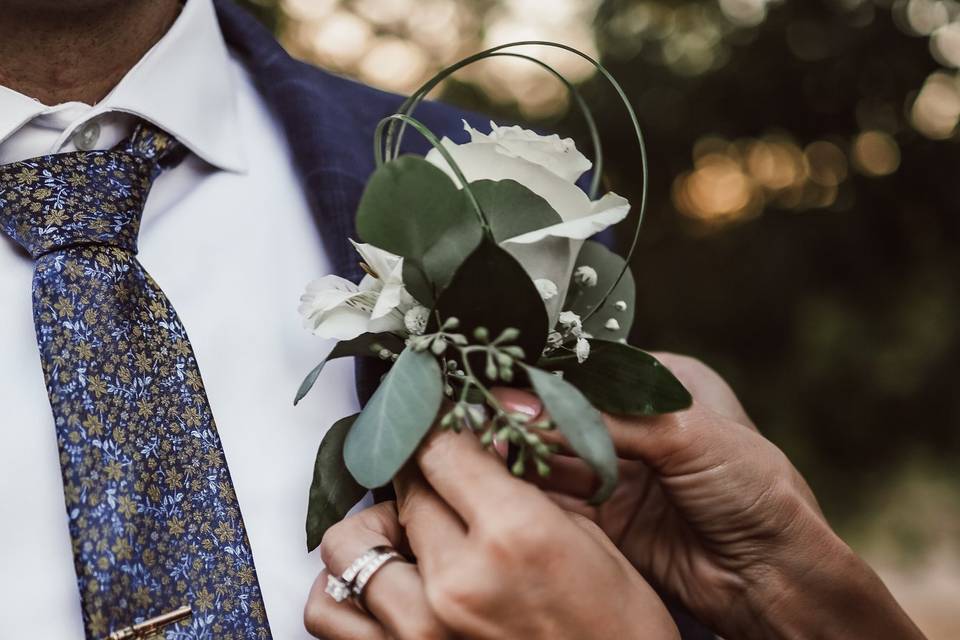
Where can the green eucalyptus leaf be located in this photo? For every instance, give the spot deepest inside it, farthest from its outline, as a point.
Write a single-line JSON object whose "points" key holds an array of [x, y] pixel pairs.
{"points": [[621, 379], [581, 424], [413, 209], [333, 491], [513, 209], [396, 419], [360, 346], [582, 299], [492, 290]]}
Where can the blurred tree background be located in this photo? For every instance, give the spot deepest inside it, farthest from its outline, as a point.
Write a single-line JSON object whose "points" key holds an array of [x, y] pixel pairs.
{"points": [[803, 235]]}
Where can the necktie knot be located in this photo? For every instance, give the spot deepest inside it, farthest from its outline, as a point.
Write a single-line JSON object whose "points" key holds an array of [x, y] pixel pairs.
{"points": [[82, 198]]}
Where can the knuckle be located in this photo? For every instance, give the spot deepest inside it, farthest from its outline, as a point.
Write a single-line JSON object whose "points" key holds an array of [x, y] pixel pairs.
{"points": [[314, 616], [423, 628], [332, 541], [586, 523], [452, 598], [515, 539], [688, 368]]}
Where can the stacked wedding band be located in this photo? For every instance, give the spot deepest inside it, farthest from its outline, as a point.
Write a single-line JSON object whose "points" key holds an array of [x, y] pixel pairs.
{"points": [[353, 581]]}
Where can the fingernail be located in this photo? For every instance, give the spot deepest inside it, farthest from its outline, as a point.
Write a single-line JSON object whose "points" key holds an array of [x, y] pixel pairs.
{"points": [[528, 409]]}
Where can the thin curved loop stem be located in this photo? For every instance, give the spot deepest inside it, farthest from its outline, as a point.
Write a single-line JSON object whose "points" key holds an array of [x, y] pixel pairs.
{"points": [[414, 101], [394, 138], [436, 144]]}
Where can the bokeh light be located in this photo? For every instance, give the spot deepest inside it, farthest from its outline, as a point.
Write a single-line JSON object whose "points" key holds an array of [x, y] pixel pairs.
{"points": [[876, 153], [936, 110]]}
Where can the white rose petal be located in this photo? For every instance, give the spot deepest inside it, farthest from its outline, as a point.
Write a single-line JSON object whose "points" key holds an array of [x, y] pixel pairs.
{"points": [[586, 275], [483, 161], [607, 211], [559, 156], [546, 288], [549, 167]]}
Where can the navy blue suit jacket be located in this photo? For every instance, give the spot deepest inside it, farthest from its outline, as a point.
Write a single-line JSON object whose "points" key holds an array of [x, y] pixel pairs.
{"points": [[329, 123]]}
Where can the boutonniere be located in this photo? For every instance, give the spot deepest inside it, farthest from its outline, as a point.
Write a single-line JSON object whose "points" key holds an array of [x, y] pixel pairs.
{"points": [[480, 272]]}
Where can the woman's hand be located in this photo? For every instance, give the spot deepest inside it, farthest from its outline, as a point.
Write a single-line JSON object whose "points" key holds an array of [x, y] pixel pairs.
{"points": [[495, 559], [718, 516]]}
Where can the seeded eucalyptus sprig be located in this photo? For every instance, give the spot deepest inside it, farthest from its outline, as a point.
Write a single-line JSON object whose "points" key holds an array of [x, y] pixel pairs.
{"points": [[474, 406]]}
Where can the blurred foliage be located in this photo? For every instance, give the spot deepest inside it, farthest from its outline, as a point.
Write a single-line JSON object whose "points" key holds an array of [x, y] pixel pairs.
{"points": [[831, 305]]}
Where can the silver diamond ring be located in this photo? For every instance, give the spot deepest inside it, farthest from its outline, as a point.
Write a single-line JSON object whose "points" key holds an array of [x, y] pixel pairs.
{"points": [[353, 581], [384, 555], [340, 588]]}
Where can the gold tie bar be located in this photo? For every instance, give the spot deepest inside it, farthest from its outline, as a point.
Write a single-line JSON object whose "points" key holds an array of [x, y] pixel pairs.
{"points": [[148, 628]]}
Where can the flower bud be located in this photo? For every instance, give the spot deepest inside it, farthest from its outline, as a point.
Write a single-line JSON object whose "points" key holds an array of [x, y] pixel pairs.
{"points": [[585, 275]]}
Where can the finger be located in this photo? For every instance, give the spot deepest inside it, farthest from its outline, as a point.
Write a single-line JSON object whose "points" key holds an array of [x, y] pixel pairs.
{"points": [[573, 505], [706, 386], [685, 442], [568, 475], [519, 401], [434, 532], [395, 594], [476, 485], [326, 618]]}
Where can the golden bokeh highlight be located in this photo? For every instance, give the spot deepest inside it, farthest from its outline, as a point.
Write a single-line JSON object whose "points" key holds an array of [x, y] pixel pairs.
{"points": [[876, 153], [734, 181], [936, 110], [399, 44]]}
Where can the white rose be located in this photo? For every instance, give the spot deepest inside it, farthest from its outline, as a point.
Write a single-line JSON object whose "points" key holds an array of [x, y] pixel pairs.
{"points": [[549, 167], [333, 307]]}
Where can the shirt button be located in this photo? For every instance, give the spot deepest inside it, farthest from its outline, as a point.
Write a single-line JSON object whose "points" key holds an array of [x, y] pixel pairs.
{"points": [[85, 138]]}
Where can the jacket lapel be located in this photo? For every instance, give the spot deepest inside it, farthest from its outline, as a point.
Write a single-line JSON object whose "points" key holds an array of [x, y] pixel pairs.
{"points": [[327, 137]]}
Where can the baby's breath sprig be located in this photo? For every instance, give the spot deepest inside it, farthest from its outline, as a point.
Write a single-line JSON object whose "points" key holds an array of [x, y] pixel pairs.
{"points": [[474, 406]]}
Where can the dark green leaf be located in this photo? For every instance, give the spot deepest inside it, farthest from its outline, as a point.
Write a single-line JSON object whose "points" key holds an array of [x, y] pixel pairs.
{"points": [[417, 283], [582, 299], [491, 289], [512, 209], [333, 491], [621, 379], [581, 424], [395, 420], [359, 346]]}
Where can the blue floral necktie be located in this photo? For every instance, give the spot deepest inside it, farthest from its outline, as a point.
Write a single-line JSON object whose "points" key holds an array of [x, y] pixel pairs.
{"points": [[151, 507]]}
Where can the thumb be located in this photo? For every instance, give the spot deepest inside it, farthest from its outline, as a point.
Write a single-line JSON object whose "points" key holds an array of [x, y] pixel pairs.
{"points": [[683, 443]]}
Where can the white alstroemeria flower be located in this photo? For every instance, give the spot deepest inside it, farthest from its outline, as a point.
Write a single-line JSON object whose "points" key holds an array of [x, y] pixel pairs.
{"points": [[550, 167], [333, 307]]}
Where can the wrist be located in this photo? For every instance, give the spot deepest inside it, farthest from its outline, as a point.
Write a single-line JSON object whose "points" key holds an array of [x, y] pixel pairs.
{"points": [[825, 591]]}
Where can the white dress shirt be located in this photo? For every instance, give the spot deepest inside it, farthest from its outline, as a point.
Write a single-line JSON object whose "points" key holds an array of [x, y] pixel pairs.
{"points": [[229, 237]]}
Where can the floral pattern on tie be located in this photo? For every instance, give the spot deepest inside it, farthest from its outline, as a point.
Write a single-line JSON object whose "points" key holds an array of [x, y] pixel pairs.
{"points": [[152, 510]]}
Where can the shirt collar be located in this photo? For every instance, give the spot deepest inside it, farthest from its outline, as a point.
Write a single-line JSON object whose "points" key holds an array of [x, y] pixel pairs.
{"points": [[184, 84]]}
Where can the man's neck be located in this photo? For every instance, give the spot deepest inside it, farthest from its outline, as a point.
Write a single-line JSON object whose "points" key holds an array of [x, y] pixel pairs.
{"points": [[57, 56]]}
